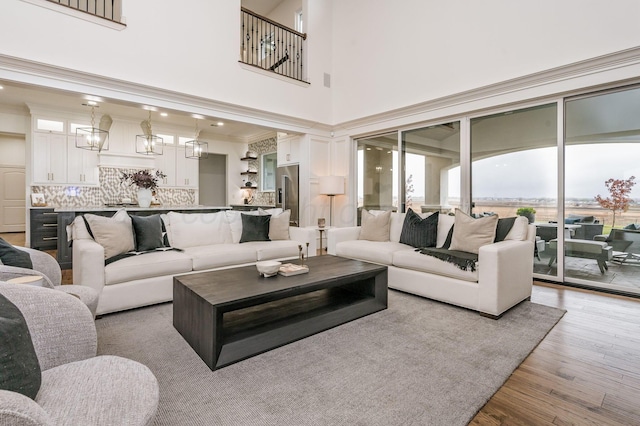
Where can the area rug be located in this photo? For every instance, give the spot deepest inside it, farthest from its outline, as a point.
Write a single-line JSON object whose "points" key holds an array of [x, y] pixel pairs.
{"points": [[419, 362]]}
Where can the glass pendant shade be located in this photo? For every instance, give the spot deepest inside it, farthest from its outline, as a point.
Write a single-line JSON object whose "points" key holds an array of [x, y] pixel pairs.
{"points": [[92, 139], [196, 149], [149, 144]]}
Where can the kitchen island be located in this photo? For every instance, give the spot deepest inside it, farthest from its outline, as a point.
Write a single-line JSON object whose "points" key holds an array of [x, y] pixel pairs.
{"points": [[66, 215]]}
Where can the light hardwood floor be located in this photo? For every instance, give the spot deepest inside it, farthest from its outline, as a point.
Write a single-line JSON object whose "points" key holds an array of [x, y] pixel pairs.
{"points": [[585, 372]]}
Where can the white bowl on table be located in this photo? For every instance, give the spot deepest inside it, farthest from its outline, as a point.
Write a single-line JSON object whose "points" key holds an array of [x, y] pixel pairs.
{"points": [[268, 268]]}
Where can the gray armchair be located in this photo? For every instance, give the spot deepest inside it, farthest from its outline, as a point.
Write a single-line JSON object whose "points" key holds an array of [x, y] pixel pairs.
{"points": [[48, 268], [78, 387]]}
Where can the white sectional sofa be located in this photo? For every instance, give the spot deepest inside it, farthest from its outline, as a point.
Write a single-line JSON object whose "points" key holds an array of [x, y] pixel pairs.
{"points": [[502, 278], [205, 241]]}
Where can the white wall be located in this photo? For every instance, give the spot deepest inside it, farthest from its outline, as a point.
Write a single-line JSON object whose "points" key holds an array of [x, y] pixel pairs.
{"points": [[192, 49], [285, 13], [388, 55], [12, 151]]}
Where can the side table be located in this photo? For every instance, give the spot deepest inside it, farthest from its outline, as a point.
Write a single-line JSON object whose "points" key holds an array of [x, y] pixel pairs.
{"points": [[322, 230], [28, 279]]}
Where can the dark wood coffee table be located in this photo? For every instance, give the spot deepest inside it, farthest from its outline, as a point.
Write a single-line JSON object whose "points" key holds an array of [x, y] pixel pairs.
{"points": [[232, 314]]}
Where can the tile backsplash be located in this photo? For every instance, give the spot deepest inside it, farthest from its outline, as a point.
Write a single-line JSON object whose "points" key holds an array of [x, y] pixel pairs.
{"points": [[264, 146], [110, 191]]}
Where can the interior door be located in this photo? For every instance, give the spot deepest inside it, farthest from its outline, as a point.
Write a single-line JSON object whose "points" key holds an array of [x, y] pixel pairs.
{"points": [[12, 199]]}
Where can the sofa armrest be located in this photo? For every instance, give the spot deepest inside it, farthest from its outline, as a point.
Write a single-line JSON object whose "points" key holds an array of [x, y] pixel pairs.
{"points": [[505, 275], [305, 235], [61, 326], [20, 410], [88, 264], [45, 263], [337, 235]]}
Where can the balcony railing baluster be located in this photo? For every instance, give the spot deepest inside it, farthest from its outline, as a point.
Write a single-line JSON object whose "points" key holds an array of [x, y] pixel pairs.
{"points": [[271, 46], [107, 9]]}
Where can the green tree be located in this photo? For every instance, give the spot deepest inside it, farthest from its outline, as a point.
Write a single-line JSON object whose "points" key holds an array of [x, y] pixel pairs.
{"points": [[619, 200]]}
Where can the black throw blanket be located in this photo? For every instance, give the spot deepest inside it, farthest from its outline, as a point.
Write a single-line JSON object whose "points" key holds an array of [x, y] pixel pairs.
{"points": [[462, 259]]}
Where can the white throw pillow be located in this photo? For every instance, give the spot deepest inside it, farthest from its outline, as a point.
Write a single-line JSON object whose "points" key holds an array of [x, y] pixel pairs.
{"points": [[445, 222], [199, 229], [519, 229], [278, 224], [375, 227], [470, 234], [114, 234]]}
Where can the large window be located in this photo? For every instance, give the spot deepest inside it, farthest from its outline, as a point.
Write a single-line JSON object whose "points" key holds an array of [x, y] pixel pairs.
{"points": [[377, 173], [431, 173], [602, 144]]}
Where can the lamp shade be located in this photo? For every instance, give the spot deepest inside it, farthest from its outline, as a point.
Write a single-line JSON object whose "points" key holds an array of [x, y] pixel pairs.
{"points": [[331, 185]]}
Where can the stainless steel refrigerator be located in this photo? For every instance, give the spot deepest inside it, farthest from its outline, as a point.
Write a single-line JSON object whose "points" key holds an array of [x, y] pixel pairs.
{"points": [[287, 193]]}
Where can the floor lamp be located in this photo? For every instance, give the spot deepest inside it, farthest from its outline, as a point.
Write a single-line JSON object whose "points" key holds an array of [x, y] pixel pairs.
{"points": [[331, 186]]}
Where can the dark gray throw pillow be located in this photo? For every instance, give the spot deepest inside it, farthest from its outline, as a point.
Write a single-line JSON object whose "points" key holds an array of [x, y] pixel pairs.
{"points": [[19, 367], [255, 228], [148, 232], [12, 256], [419, 232]]}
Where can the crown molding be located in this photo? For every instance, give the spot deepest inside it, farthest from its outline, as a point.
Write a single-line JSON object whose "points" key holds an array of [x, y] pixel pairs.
{"points": [[68, 80], [465, 100]]}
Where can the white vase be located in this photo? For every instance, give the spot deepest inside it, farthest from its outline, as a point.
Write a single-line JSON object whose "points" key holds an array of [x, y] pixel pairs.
{"points": [[144, 197]]}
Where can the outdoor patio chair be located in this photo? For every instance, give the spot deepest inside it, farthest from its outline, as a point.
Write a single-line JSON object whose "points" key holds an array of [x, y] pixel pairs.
{"points": [[625, 244]]}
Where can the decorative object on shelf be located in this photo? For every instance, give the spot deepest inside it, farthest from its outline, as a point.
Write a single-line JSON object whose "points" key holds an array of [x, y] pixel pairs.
{"points": [[92, 138], [37, 200], [148, 144], [251, 155], [268, 268], [248, 184], [331, 186], [247, 194], [144, 197], [252, 169], [196, 149], [321, 222]]}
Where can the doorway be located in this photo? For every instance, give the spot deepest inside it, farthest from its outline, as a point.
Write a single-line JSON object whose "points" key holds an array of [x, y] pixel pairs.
{"points": [[213, 180]]}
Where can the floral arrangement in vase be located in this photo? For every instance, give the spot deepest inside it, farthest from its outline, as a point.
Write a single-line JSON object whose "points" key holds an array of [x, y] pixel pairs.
{"points": [[143, 178], [146, 181]]}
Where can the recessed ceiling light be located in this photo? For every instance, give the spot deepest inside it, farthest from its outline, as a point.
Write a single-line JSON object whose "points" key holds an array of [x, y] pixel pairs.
{"points": [[164, 114], [198, 116], [90, 98], [1, 87], [92, 103], [149, 108], [220, 123]]}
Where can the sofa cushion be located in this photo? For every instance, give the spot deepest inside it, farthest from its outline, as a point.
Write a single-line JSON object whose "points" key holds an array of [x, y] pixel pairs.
{"points": [[148, 232], [418, 232], [267, 250], [220, 255], [470, 234], [19, 366], [147, 265], [11, 256], [519, 230], [411, 259], [77, 230], [255, 228], [375, 227], [371, 251], [198, 229], [114, 234]]}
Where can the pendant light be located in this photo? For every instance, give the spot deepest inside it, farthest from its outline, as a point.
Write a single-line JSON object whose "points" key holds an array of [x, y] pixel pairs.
{"points": [[196, 149], [92, 138], [148, 144]]}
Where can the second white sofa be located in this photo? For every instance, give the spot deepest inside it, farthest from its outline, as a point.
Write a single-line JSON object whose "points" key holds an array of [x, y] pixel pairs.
{"points": [[502, 278]]}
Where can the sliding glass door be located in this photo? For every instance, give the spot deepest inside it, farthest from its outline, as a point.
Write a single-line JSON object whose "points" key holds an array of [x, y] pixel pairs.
{"points": [[602, 166]]}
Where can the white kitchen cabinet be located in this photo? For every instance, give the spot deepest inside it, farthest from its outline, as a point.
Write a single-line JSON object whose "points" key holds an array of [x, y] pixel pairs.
{"points": [[49, 158], [288, 150], [186, 170], [82, 164], [166, 163]]}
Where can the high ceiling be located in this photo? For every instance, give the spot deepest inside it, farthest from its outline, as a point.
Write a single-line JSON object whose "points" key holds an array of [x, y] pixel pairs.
{"points": [[17, 97], [261, 7]]}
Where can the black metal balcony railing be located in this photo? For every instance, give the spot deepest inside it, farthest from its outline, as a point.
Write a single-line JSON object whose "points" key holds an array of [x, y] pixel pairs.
{"points": [[107, 9], [271, 46]]}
